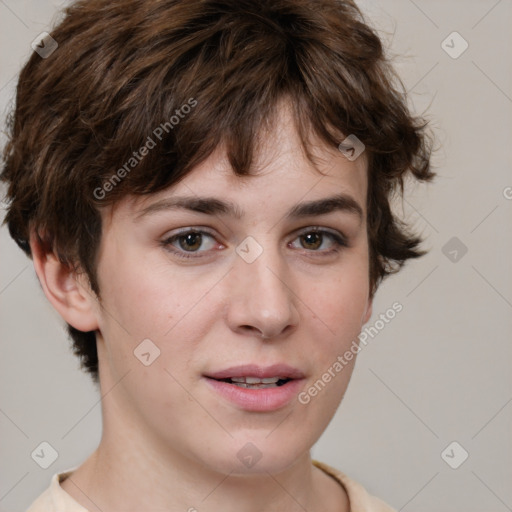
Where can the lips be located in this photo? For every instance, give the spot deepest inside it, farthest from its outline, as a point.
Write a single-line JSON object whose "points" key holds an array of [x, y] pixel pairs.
{"points": [[283, 371], [255, 388]]}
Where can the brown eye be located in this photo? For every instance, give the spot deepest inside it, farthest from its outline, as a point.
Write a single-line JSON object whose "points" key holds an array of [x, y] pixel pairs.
{"points": [[191, 241], [188, 243], [311, 240], [314, 238]]}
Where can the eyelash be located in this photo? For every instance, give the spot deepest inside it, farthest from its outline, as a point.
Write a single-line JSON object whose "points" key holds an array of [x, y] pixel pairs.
{"points": [[339, 240]]}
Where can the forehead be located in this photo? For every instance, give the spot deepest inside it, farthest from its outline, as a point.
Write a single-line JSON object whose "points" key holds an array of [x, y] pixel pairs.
{"points": [[281, 175]]}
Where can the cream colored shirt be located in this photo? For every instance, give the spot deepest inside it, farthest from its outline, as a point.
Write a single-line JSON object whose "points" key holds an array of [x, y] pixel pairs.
{"points": [[55, 499]]}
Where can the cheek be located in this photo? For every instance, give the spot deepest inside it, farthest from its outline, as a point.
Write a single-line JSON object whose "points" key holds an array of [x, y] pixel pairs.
{"points": [[140, 299], [339, 307], [341, 301], [150, 300]]}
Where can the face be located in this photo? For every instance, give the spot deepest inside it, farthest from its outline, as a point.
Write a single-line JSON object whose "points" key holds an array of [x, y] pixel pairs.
{"points": [[202, 287]]}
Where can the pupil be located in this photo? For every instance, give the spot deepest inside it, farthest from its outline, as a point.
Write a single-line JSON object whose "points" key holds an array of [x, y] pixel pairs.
{"points": [[190, 238], [315, 235]]}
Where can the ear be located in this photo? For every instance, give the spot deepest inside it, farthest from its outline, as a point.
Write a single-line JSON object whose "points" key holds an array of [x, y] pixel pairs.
{"points": [[69, 293], [369, 309]]}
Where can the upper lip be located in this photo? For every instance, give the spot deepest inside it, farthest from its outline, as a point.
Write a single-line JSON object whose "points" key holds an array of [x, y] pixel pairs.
{"points": [[262, 372]]}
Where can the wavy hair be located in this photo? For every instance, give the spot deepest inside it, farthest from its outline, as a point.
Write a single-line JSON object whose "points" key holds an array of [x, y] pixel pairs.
{"points": [[125, 67]]}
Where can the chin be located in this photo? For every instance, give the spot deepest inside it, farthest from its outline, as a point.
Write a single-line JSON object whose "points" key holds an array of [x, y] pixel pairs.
{"points": [[259, 453]]}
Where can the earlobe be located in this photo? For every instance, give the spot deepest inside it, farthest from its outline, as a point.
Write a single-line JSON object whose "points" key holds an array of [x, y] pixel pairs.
{"points": [[73, 300]]}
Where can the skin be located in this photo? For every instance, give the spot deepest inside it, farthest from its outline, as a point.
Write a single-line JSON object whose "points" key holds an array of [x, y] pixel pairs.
{"points": [[168, 440]]}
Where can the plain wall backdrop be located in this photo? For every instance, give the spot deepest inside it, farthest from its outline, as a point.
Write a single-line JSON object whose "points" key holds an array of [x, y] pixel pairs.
{"points": [[436, 374]]}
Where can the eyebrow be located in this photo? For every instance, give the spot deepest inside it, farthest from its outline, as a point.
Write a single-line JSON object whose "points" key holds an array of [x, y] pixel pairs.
{"points": [[214, 206]]}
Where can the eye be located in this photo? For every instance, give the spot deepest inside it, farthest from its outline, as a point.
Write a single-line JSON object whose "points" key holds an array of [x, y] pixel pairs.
{"points": [[188, 241], [313, 238]]}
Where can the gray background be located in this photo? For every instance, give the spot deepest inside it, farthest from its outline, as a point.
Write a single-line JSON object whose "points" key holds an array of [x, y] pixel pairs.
{"points": [[437, 373]]}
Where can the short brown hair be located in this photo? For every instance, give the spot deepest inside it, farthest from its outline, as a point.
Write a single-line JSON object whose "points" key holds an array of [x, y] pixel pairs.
{"points": [[125, 67]]}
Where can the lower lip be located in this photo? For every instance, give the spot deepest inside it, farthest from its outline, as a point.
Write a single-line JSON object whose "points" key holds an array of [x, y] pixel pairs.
{"points": [[269, 399]]}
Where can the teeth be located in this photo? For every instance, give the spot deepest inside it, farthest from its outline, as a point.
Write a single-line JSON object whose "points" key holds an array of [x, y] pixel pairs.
{"points": [[254, 386], [255, 380]]}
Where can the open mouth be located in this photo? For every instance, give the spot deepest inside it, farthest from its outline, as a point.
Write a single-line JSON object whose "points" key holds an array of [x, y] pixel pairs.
{"points": [[256, 388], [255, 382]]}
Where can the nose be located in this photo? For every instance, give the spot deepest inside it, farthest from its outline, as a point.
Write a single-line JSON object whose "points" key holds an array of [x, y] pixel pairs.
{"points": [[261, 300]]}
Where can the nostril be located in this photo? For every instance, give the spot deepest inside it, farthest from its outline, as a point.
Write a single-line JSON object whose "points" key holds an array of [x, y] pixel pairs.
{"points": [[250, 328]]}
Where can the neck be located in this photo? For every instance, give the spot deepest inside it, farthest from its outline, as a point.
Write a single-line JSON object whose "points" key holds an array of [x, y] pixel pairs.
{"points": [[124, 474]]}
